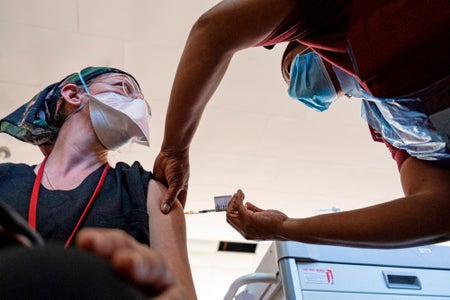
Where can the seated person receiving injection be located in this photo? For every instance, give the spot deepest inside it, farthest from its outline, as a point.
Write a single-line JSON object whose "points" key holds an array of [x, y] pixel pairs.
{"points": [[76, 122]]}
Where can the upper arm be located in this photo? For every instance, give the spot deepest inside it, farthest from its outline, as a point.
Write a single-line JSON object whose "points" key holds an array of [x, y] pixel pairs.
{"points": [[168, 235], [419, 177], [239, 24], [428, 186]]}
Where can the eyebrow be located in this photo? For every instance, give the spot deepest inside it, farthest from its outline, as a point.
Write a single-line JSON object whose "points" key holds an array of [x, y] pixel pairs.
{"points": [[123, 77]]}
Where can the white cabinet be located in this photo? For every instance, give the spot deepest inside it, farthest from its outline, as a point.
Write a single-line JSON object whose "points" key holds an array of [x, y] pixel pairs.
{"points": [[298, 271]]}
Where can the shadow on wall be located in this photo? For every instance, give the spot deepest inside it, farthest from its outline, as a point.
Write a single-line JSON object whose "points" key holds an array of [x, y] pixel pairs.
{"points": [[4, 152]]}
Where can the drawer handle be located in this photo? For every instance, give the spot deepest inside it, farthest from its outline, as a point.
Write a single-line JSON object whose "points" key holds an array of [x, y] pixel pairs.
{"points": [[395, 280]]}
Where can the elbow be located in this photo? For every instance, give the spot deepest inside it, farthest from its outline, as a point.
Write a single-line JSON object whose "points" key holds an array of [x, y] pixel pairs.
{"points": [[204, 23], [210, 31]]}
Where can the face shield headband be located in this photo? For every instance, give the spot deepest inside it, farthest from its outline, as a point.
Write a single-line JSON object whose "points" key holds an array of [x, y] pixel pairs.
{"points": [[35, 122]]}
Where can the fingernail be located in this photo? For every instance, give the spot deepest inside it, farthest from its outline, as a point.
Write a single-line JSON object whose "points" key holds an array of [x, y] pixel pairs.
{"points": [[142, 271], [166, 208]]}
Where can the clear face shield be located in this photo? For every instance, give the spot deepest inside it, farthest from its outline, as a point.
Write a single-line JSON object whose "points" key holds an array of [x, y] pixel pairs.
{"points": [[119, 114]]}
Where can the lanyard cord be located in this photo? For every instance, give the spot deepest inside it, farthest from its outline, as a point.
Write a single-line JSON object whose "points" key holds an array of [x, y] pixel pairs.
{"points": [[32, 211], [34, 196]]}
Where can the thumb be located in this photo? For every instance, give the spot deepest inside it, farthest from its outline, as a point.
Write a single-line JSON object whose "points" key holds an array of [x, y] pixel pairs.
{"points": [[182, 196], [169, 198], [252, 207]]}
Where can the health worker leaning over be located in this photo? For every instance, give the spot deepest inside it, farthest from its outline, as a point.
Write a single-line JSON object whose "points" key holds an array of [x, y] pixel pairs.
{"points": [[392, 48], [76, 122], [404, 125]]}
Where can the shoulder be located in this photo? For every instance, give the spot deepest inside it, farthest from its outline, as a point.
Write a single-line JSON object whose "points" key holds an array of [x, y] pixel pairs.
{"points": [[15, 178], [136, 167], [16, 168], [131, 174]]}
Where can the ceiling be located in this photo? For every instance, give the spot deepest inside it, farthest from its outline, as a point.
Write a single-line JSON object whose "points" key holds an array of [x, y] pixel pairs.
{"points": [[252, 135]]}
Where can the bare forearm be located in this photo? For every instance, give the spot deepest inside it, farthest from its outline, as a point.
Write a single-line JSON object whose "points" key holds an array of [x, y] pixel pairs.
{"points": [[199, 72], [228, 27], [409, 221]]}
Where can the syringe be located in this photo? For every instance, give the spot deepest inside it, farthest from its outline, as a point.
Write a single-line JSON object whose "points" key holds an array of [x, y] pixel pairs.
{"points": [[220, 202]]}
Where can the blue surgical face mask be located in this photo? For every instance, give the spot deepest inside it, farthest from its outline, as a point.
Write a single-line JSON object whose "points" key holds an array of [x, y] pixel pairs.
{"points": [[310, 82]]}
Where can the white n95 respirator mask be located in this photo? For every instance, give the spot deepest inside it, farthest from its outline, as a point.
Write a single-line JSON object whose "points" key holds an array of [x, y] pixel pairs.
{"points": [[117, 119]]}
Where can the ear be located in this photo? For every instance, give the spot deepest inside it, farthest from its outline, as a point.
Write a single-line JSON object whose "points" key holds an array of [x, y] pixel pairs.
{"points": [[71, 94]]}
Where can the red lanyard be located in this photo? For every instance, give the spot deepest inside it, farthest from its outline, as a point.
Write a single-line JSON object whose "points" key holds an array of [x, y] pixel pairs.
{"points": [[35, 195]]}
